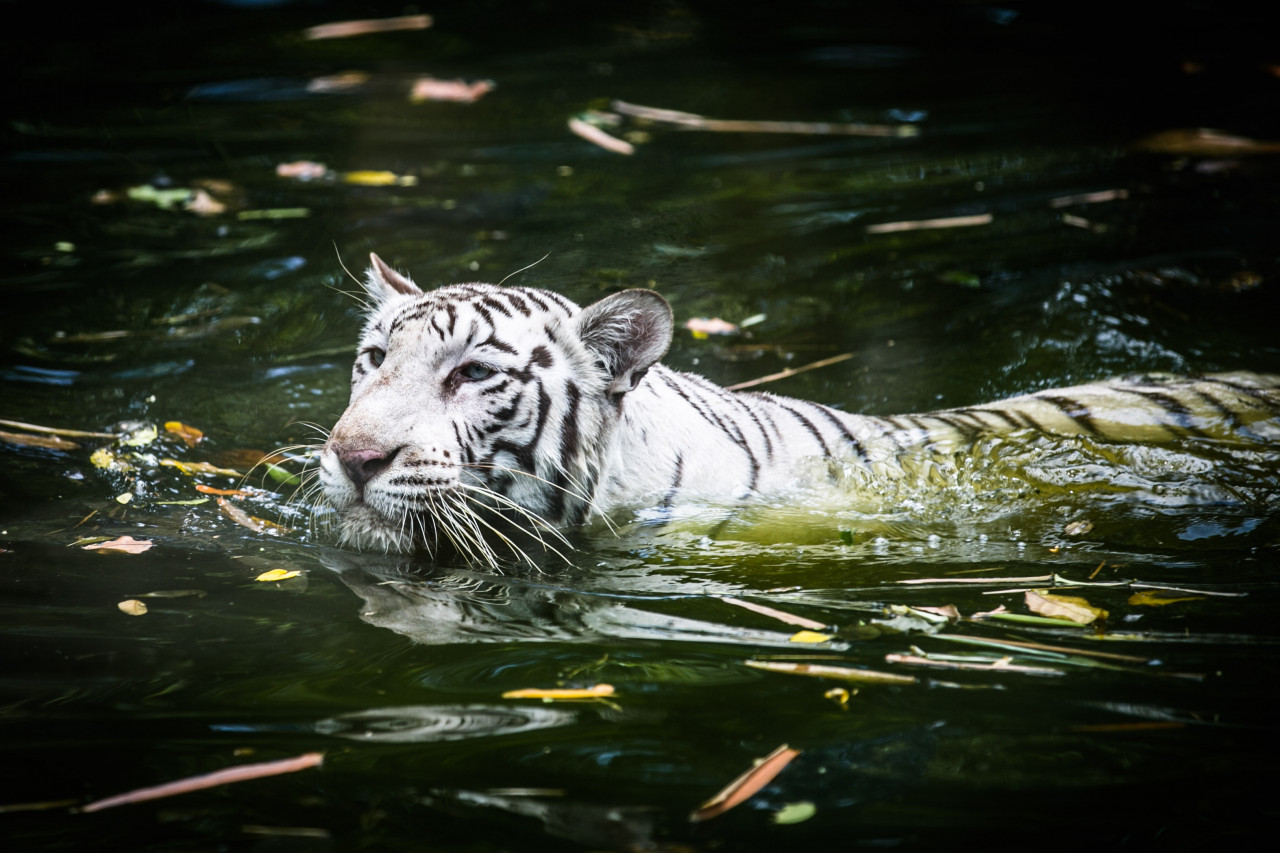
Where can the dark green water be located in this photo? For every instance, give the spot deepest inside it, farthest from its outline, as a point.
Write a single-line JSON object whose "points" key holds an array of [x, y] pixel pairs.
{"points": [[1100, 256]]}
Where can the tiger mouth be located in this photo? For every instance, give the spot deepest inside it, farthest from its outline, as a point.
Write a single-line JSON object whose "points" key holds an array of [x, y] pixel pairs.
{"points": [[475, 527]]}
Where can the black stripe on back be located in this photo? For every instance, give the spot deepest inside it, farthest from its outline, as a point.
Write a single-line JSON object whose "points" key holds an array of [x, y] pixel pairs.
{"points": [[1073, 409], [1171, 406], [808, 424]]}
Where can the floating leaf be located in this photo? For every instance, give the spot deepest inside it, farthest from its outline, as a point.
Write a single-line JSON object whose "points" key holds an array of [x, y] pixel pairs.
{"points": [[274, 213], [230, 493], [133, 607], [124, 497], [277, 575], [302, 170], [346, 81], [165, 199], [122, 545], [1069, 608], [747, 785], [840, 696], [1078, 528], [794, 813], [701, 327], [1154, 598], [598, 691], [106, 459], [242, 518], [283, 476], [371, 178], [137, 434], [810, 637], [455, 91], [203, 204], [193, 468], [190, 435]]}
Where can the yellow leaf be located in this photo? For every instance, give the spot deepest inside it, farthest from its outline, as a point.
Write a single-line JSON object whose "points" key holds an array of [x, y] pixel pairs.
{"points": [[1068, 608], [124, 497], [190, 435], [794, 813], [599, 691], [810, 637], [106, 459], [369, 178], [1156, 598], [133, 607], [140, 436], [277, 575]]}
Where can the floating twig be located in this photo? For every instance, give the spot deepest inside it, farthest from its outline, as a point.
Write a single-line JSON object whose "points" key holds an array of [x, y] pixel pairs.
{"points": [[1036, 579], [346, 29], [924, 224], [791, 371], [242, 773], [693, 121], [65, 433], [780, 615], [596, 136], [844, 673], [1001, 665], [747, 785]]}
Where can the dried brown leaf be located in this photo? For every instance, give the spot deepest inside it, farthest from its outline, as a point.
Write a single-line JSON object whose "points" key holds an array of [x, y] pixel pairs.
{"points": [[1069, 608], [122, 545]]}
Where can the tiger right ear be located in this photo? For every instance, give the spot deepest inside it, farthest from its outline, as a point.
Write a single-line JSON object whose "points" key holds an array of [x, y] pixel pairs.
{"points": [[629, 332], [383, 282]]}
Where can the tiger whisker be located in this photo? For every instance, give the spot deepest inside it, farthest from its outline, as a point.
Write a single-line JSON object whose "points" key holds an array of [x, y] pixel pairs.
{"points": [[537, 520], [579, 491], [475, 519], [503, 500], [466, 520]]}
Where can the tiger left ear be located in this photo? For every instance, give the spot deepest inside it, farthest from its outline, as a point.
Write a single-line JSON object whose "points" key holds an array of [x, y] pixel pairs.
{"points": [[383, 282], [629, 332]]}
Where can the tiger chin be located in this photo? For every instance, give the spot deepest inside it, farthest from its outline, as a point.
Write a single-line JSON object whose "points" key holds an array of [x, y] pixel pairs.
{"points": [[486, 419]]}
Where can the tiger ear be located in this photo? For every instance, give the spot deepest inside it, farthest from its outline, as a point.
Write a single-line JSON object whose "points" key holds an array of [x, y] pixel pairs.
{"points": [[383, 282], [628, 332]]}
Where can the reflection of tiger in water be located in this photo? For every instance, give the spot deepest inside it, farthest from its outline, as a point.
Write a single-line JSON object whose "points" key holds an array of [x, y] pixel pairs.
{"points": [[477, 408]]}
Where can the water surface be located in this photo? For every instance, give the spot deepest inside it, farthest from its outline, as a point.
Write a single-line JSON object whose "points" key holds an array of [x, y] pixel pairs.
{"points": [[1103, 249]]}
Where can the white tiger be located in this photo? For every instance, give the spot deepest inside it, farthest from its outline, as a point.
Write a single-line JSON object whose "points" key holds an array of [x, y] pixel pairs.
{"points": [[478, 409]]}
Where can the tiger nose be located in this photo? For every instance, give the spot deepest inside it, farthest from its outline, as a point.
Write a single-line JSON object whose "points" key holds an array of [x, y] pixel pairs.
{"points": [[363, 465]]}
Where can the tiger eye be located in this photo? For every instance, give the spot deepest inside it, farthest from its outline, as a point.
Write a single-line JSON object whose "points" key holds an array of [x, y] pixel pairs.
{"points": [[474, 372]]}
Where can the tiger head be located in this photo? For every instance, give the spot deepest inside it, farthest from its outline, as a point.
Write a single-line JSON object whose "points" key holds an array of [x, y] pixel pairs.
{"points": [[481, 413]]}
